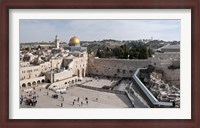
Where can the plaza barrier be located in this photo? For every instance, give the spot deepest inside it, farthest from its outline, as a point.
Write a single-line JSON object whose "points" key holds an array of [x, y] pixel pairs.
{"points": [[102, 90]]}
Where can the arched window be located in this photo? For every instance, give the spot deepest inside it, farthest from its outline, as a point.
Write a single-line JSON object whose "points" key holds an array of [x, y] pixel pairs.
{"points": [[34, 83], [23, 85], [38, 82], [29, 84]]}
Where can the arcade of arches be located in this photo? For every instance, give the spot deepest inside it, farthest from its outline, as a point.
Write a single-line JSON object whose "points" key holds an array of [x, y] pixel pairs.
{"points": [[32, 84]]}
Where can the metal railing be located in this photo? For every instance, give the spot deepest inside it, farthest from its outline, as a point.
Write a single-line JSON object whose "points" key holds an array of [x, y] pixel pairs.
{"points": [[147, 93]]}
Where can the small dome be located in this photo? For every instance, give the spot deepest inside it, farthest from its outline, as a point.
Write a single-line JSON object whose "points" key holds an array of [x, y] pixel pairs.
{"points": [[74, 41]]}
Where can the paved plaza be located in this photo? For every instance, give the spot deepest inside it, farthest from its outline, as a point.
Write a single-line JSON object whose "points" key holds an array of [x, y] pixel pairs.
{"points": [[83, 96], [99, 82], [77, 97]]}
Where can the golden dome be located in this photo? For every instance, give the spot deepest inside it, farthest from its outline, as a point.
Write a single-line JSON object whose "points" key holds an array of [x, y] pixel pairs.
{"points": [[74, 41]]}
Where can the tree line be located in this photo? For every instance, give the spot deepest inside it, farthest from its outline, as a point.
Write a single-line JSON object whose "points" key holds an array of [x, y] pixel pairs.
{"points": [[137, 51]]}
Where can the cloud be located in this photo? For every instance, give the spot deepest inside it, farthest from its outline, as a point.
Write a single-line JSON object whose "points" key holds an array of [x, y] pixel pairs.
{"points": [[45, 30]]}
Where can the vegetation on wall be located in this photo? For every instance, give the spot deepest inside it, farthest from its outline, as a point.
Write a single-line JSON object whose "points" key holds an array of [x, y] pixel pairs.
{"points": [[139, 51]]}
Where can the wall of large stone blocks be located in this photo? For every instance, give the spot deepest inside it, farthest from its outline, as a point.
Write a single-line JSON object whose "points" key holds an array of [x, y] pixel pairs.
{"points": [[172, 76], [115, 67]]}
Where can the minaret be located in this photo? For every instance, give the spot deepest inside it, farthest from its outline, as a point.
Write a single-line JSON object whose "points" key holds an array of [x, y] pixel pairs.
{"points": [[57, 41]]}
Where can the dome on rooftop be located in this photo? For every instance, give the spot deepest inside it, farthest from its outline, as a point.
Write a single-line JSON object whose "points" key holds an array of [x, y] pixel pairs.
{"points": [[74, 41]]}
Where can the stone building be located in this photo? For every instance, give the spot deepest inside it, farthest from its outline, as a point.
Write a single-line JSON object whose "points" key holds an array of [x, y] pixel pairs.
{"points": [[64, 66]]}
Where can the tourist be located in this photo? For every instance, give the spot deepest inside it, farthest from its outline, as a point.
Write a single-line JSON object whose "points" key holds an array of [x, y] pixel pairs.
{"points": [[61, 105], [81, 103], [78, 99]]}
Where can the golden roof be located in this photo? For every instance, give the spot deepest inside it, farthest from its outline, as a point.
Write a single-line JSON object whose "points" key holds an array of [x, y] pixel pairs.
{"points": [[74, 41]]}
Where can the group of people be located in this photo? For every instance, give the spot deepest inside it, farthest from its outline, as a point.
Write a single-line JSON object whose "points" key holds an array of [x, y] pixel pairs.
{"points": [[30, 100], [81, 102]]}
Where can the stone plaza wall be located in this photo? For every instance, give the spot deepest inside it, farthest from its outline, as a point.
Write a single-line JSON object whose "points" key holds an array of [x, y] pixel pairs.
{"points": [[70, 80], [115, 67]]}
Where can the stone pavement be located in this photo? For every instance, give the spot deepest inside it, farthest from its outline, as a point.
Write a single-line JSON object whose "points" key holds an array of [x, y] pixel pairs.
{"points": [[95, 99]]}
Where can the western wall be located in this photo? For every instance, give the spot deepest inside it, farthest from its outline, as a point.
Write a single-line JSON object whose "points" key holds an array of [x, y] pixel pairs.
{"points": [[115, 67]]}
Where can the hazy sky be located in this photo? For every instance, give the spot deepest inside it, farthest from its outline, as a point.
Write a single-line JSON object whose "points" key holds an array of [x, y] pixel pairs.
{"points": [[90, 30]]}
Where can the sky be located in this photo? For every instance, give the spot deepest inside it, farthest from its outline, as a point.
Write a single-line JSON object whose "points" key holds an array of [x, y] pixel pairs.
{"points": [[33, 30]]}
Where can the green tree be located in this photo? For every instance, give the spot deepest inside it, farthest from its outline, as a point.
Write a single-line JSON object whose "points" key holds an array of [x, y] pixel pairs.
{"points": [[89, 50], [143, 52], [150, 52]]}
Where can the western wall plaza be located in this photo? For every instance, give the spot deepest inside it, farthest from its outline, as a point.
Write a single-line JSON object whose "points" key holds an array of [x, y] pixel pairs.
{"points": [[70, 75]]}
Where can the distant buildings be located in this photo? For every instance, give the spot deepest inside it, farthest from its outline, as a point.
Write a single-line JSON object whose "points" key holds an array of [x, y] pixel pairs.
{"points": [[49, 66]]}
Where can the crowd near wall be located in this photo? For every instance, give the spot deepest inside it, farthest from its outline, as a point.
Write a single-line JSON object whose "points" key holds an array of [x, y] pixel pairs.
{"points": [[115, 67]]}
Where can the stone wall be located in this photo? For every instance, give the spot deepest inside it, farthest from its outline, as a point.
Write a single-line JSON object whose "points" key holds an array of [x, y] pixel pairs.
{"points": [[62, 75], [172, 76], [115, 67], [70, 80]]}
